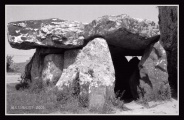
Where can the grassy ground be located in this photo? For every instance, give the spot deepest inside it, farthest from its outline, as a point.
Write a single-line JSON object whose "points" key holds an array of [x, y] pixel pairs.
{"points": [[24, 102], [44, 102]]}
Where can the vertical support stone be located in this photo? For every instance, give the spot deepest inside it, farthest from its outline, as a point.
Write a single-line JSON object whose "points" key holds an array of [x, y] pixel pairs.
{"points": [[52, 68], [97, 97], [94, 68], [168, 25], [154, 83], [44, 67], [26, 75], [37, 66]]}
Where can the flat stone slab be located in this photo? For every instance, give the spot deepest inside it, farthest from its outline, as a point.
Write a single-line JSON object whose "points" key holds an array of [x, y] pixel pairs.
{"points": [[122, 31], [45, 33]]}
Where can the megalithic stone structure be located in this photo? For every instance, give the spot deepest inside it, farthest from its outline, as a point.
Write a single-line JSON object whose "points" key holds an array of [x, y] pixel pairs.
{"points": [[76, 57]]}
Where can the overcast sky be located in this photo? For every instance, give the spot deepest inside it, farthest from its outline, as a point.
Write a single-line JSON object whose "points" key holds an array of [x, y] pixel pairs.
{"points": [[83, 13]]}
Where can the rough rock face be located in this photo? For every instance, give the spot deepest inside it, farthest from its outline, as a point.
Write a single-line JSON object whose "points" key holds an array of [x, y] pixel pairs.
{"points": [[37, 66], [49, 32], [94, 71], [26, 75], [52, 68], [32, 69], [154, 83], [44, 66], [122, 31], [168, 29]]}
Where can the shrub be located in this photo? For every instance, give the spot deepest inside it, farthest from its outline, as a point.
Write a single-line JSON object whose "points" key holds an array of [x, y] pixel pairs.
{"points": [[21, 86], [24, 83], [9, 62]]}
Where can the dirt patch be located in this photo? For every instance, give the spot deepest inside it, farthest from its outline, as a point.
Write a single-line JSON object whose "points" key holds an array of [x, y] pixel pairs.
{"points": [[153, 108]]}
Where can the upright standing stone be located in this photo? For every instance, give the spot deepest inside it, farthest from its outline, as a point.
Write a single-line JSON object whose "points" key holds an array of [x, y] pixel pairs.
{"points": [[44, 67], [26, 74], [168, 28], [52, 69], [37, 66], [94, 70], [154, 83]]}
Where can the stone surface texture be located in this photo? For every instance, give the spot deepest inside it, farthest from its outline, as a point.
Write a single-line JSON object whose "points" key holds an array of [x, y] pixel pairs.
{"points": [[153, 83], [52, 68], [37, 66], [122, 31], [94, 71], [26, 74], [45, 33], [168, 25]]}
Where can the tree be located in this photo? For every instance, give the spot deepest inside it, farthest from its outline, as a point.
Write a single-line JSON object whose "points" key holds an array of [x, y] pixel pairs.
{"points": [[9, 62]]}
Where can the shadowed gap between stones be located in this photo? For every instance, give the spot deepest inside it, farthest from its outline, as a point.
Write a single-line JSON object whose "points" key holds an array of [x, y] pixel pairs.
{"points": [[124, 71]]}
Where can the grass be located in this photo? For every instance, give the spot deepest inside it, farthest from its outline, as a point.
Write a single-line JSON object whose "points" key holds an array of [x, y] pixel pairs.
{"points": [[25, 102], [47, 101], [42, 102]]}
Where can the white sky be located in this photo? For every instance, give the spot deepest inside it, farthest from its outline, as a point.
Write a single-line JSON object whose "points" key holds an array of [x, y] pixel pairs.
{"points": [[82, 13]]}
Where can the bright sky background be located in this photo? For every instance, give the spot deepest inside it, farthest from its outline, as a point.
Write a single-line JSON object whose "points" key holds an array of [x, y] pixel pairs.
{"points": [[82, 13]]}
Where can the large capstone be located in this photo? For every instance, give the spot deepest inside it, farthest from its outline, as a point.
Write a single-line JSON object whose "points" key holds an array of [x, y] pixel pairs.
{"points": [[52, 69], [93, 70], [153, 83], [45, 33], [168, 28], [121, 31]]}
